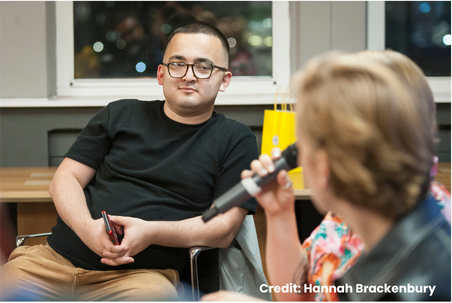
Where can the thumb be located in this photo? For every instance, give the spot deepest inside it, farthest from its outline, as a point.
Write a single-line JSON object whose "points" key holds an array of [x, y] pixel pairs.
{"points": [[118, 222], [117, 219]]}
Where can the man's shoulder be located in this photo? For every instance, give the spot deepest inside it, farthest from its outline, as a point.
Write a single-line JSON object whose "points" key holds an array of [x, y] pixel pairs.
{"points": [[127, 109], [232, 126]]}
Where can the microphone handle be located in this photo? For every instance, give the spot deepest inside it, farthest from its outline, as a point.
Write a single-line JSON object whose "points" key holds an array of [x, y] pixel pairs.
{"points": [[239, 194], [280, 164]]}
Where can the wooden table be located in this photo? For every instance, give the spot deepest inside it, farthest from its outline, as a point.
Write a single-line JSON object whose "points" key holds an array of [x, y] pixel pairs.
{"points": [[29, 188], [301, 193], [31, 184]]}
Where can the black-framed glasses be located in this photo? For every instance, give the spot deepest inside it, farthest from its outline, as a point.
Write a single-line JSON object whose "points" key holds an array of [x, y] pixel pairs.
{"points": [[202, 70]]}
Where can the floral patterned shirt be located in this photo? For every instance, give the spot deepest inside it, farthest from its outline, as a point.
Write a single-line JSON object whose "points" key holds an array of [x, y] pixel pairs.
{"points": [[333, 248]]}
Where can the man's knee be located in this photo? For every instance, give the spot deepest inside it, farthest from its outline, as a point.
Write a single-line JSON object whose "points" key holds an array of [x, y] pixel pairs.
{"points": [[32, 273], [19, 268], [159, 290], [152, 285]]}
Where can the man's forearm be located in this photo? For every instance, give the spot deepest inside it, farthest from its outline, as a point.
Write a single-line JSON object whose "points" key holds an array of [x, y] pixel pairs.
{"points": [[67, 193], [70, 202], [218, 232], [139, 234]]}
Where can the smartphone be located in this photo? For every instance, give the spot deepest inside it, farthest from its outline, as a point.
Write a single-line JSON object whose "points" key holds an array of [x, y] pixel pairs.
{"points": [[110, 229]]}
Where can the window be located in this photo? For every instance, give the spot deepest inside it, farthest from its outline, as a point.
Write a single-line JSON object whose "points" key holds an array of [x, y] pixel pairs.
{"points": [[127, 39], [116, 46], [421, 30]]}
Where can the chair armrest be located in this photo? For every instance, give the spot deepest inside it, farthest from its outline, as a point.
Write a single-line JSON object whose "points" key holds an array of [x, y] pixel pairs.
{"points": [[20, 240]]}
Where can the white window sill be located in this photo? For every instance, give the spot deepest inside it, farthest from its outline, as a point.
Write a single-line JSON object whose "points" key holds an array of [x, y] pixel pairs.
{"points": [[263, 95]]}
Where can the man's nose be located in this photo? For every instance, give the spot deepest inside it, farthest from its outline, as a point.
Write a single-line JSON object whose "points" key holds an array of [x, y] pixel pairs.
{"points": [[189, 75]]}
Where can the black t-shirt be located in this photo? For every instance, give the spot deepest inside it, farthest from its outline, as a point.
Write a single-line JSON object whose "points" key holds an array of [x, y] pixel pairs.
{"points": [[151, 167]]}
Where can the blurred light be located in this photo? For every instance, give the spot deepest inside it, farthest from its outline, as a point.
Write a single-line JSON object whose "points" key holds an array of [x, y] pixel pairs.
{"points": [[255, 40], [439, 32], [98, 47], [140, 67], [425, 7], [446, 39], [254, 25], [110, 4], [268, 41], [83, 11], [236, 26], [107, 58], [112, 36], [444, 25], [101, 18], [166, 28], [419, 39], [121, 44], [232, 42], [437, 39], [267, 22]]}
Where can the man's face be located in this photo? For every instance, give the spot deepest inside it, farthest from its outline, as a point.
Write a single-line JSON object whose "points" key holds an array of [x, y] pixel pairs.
{"points": [[189, 95]]}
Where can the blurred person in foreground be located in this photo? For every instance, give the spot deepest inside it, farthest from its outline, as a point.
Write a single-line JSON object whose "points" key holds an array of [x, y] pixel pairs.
{"points": [[155, 166], [371, 163]]}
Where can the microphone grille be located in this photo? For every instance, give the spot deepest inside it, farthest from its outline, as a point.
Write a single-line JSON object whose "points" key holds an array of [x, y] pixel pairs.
{"points": [[291, 154]]}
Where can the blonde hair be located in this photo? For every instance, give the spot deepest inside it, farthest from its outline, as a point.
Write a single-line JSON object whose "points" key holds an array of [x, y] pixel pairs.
{"points": [[414, 78], [363, 116]]}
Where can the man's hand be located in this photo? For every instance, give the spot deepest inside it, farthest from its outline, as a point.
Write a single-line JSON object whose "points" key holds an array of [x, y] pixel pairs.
{"points": [[137, 237], [279, 196], [96, 238]]}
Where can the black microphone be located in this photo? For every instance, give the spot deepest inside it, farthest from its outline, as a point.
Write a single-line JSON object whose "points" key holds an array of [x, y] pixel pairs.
{"points": [[250, 187]]}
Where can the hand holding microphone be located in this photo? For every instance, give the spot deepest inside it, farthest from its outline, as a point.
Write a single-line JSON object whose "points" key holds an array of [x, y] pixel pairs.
{"points": [[249, 187]]}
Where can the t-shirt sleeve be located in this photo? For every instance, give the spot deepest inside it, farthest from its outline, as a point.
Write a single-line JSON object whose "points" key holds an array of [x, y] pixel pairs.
{"points": [[237, 160], [93, 142]]}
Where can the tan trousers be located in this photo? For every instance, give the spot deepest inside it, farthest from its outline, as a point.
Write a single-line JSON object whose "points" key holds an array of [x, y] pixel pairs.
{"points": [[43, 274]]}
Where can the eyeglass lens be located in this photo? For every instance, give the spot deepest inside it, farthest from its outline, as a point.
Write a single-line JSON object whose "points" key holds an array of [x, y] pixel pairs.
{"points": [[201, 70]]}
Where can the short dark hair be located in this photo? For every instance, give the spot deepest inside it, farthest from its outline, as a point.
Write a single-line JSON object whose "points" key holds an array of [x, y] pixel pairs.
{"points": [[200, 27]]}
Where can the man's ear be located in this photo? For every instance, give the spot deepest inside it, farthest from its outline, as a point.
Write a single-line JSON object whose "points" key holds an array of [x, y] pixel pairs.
{"points": [[226, 80], [160, 72], [322, 168]]}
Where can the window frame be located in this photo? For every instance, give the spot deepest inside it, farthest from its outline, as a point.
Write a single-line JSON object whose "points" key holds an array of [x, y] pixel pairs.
{"points": [[440, 86], [242, 90]]}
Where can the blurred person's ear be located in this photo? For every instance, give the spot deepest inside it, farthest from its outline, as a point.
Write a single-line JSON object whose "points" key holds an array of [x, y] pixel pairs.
{"points": [[322, 169]]}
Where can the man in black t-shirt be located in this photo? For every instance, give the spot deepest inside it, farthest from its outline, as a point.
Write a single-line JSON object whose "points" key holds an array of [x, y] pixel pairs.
{"points": [[155, 167]]}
